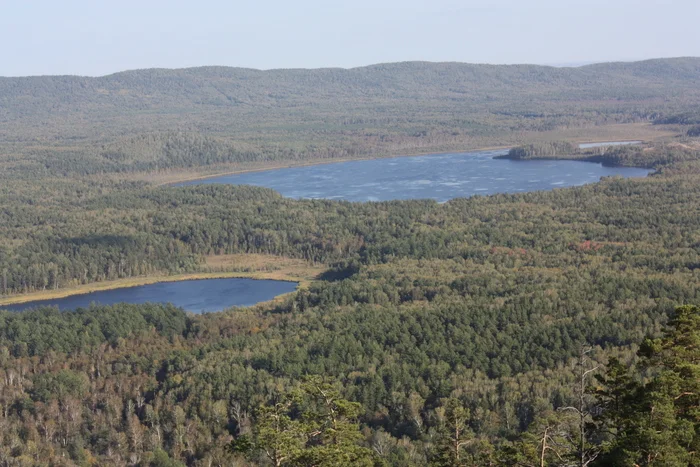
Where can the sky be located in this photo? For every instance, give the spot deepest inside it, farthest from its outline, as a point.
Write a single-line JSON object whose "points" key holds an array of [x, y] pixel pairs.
{"points": [[98, 37]]}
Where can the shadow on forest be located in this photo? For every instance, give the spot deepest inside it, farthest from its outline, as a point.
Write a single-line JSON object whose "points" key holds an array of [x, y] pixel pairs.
{"points": [[100, 241], [340, 271]]}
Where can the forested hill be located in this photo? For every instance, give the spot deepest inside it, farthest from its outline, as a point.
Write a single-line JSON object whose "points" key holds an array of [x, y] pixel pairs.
{"points": [[209, 87], [136, 120]]}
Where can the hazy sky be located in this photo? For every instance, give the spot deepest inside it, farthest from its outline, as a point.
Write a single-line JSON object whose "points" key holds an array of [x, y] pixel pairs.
{"points": [[99, 37]]}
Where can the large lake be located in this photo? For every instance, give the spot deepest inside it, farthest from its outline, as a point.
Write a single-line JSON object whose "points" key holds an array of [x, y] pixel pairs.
{"points": [[196, 296], [440, 177]]}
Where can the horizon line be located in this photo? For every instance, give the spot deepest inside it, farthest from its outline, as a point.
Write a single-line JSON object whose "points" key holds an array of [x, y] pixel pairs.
{"points": [[573, 64]]}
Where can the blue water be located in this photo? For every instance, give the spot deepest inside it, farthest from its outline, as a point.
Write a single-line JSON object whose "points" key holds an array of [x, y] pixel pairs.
{"points": [[440, 177], [196, 296]]}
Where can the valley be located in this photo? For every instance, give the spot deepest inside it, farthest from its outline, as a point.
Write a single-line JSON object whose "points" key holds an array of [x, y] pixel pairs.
{"points": [[438, 299]]}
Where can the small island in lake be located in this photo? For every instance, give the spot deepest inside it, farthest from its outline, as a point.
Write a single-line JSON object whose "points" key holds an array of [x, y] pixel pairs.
{"points": [[611, 154]]}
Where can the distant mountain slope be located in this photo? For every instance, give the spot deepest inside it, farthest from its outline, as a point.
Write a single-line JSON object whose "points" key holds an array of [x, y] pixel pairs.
{"points": [[70, 123], [233, 87]]}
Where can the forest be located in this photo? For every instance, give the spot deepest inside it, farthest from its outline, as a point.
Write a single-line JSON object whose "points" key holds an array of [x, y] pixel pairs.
{"points": [[550, 328], [473, 312]]}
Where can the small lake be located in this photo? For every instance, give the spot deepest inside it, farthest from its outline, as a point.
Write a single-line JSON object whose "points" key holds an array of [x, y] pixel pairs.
{"points": [[196, 296], [440, 177]]}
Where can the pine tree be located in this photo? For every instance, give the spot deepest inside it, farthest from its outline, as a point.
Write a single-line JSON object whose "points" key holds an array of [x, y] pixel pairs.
{"points": [[657, 423]]}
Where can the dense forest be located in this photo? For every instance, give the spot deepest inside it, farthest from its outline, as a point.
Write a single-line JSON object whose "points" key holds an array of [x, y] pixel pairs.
{"points": [[669, 155], [552, 328], [472, 312]]}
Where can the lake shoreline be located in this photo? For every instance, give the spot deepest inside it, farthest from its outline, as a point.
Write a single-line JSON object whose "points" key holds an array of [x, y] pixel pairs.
{"points": [[139, 281], [318, 162], [340, 161], [440, 177]]}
